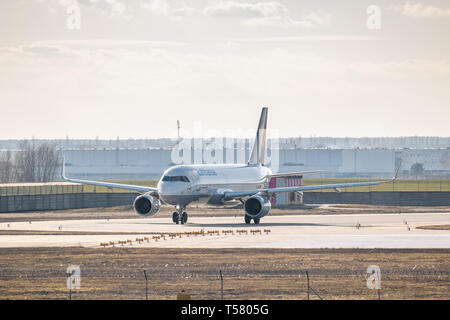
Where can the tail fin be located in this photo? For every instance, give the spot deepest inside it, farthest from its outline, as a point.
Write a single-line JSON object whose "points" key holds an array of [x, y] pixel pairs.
{"points": [[259, 148]]}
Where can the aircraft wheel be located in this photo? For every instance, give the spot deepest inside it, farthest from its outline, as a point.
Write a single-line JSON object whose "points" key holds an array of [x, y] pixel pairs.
{"points": [[184, 218], [247, 219], [175, 217], [256, 220]]}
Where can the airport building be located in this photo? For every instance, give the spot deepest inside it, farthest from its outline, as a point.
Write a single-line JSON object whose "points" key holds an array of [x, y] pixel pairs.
{"points": [[337, 157], [286, 198], [122, 164]]}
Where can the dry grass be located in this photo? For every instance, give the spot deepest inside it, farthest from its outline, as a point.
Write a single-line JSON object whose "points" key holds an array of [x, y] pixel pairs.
{"points": [[127, 212], [117, 273], [435, 227], [63, 187]]}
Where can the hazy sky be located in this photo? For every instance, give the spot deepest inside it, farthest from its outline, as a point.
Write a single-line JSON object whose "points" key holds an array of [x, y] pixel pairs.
{"points": [[136, 66]]}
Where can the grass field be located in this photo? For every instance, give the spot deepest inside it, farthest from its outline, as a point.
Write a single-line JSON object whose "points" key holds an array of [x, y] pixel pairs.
{"points": [[437, 227], [117, 273], [399, 185]]}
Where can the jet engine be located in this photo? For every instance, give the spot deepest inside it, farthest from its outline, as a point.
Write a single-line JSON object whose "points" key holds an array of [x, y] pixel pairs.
{"points": [[257, 206], [146, 205]]}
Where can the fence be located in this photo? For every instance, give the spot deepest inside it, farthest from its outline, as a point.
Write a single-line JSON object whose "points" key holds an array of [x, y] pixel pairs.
{"points": [[380, 198], [52, 188], [117, 273], [61, 201], [436, 185]]}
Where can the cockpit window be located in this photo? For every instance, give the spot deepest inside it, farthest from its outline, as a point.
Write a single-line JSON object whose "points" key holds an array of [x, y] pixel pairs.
{"points": [[175, 178]]}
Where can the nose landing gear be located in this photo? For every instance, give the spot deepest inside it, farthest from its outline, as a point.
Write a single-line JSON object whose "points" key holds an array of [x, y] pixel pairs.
{"points": [[180, 216]]}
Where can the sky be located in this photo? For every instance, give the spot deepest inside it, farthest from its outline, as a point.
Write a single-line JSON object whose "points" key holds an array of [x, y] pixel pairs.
{"points": [[132, 68]]}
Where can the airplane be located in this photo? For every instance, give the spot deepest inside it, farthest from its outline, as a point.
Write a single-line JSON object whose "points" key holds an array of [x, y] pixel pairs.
{"points": [[219, 184]]}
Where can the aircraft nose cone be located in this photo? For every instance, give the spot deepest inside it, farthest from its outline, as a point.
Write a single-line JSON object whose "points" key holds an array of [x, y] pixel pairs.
{"points": [[171, 188]]}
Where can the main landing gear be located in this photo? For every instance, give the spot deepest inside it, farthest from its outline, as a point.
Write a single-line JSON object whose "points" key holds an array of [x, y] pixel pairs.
{"points": [[248, 220], [180, 216]]}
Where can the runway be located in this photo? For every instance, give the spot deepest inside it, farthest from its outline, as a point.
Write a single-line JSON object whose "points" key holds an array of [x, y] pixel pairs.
{"points": [[299, 231]]}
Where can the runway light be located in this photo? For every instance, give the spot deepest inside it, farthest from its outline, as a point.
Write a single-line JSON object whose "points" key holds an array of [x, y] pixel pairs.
{"points": [[267, 231]]}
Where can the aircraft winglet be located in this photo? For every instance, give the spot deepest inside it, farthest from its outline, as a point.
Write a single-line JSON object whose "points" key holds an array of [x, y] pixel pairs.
{"points": [[63, 169], [397, 170]]}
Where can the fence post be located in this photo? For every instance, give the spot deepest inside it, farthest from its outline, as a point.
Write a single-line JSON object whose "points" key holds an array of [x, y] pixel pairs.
{"points": [[311, 288], [221, 284], [307, 280], [146, 285]]}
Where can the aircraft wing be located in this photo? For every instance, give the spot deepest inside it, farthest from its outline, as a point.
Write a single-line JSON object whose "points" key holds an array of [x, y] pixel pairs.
{"points": [[111, 185], [229, 195], [291, 174]]}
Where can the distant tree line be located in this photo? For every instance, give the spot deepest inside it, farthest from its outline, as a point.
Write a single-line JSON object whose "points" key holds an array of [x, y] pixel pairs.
{"points": [[31, 163]]}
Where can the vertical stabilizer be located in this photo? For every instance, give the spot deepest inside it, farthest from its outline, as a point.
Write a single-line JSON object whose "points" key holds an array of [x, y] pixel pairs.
{"points": [[259, 147]]}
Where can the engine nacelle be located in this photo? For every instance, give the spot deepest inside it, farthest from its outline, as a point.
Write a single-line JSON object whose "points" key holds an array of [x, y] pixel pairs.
{"points": [[146, 205], [257, 206]]}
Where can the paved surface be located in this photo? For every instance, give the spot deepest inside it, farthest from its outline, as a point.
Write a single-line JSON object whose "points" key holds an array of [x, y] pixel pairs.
{"points": [[302, 231]]}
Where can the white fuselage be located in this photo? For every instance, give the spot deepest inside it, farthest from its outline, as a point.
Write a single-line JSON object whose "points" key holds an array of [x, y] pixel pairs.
{"points": [[206, 183]]}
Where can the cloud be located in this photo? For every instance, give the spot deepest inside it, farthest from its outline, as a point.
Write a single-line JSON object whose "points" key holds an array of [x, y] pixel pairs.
{"points": [[418, 10], [231, 9], [308, 38], [106, 7], [159, 7], [263, 13], [96, 83], [259, 13], [41, 50], [164, 8]]}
